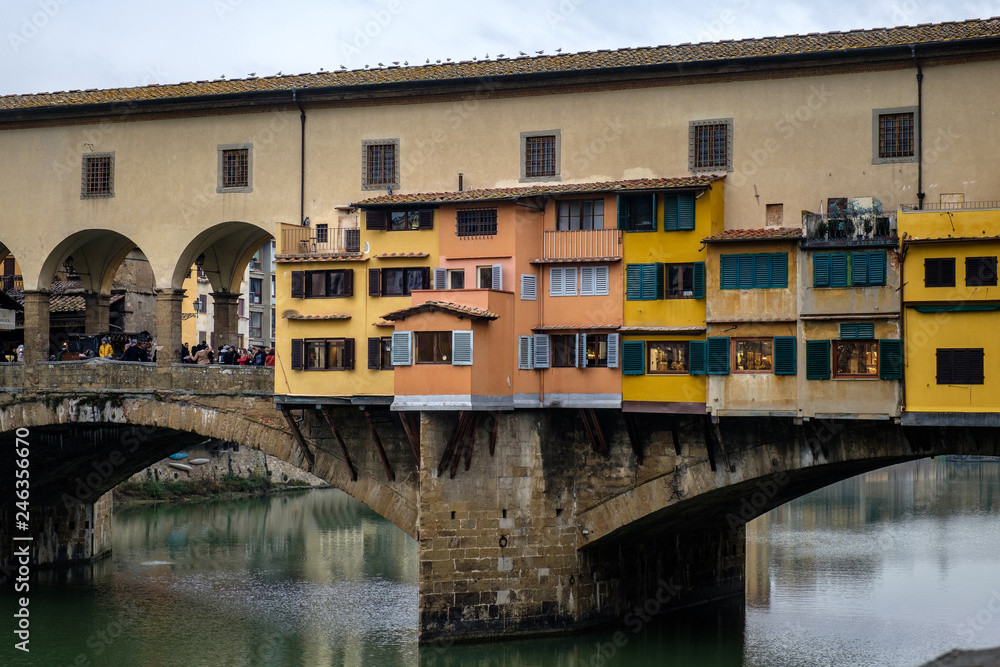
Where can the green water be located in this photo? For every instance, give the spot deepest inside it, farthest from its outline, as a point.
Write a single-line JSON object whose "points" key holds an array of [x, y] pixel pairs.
{"points": [[890, 568]]}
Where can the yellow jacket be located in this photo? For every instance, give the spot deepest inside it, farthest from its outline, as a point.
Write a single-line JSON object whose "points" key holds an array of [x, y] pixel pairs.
{"points": [[107, 350]]}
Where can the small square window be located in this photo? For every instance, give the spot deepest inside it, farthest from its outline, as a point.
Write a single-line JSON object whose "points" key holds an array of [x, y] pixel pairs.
{"points": [[98, 175], [540, 155], [710, 145], [855, 358], [980, 271], [580, 214], [680, 281], [380, 165], [665, 358], [753, 355], [235, 168], [433, 347], [563, 350], [939, 272], [894, 135]]}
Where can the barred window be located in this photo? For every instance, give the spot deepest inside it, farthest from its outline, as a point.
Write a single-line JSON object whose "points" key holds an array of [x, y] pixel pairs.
{"points": [[895, 135], [380, 165], [235, 168], [710, 145], [98, 175], [477, 222], [540, 156]]}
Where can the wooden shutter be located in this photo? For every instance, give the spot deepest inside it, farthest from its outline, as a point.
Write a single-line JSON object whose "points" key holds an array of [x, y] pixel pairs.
{"points": [[348, 282], [718, 356], [821, 270], [761, 270], [461, 348], [779, 270], [298, 284], [613, 350], [633, 282], [426, 219], [440, 278], [862, 330], [498, 276], [402, 347], [581, 350], [374, 282], [622, 214], [557, 276], [540, 344], [601, 281], [587, 281], [697, 357], [634, 357], [890, 359], [699, 280], [524, 357], [784, 355], [876, 268], [569, 281], [352, 240], [838, 270], [727, 272], [670, 222], [685, 211], [859, 269], [529, 287], [376, 220], [349, 353], [653, 281], [745, 274], [975, 374], [653, 195], [296, 354], [374, 354], [425, 277], [817, 360]]}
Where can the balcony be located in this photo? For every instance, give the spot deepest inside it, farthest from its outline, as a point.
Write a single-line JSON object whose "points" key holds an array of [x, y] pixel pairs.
{"points": [[952, 206], [308, 241], [849, 230], [589, 245], [11, 283]]}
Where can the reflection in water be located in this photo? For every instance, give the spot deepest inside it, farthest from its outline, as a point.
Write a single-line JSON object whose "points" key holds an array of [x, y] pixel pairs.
{"points": [[890, 568]]}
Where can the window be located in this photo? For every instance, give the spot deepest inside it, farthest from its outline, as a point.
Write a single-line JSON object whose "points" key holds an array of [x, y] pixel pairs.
{"points": [[594, 281], [855, 358], [240, 307], [665, 358], [433, 347], [256, 290], [637, 213], [596, 348], [580, 214], [644, 282], [476, 222], [680, 281], [402, 281], [939, 272], [753, 355], [323, 354], [489, 276], [456, 278], [760, 271], [856, 269], [678, 212], [98, 176], [380, 164], [540, 155], [333, 283], [255, 262], [235, 168], [894, 135], [710, 145], [274, 298], [529, 287], [322, 233], [563, 349], [380, 353], [390, 220], [568, 351], [980, 271], [562, 281], [960, 366], [256, 324]]}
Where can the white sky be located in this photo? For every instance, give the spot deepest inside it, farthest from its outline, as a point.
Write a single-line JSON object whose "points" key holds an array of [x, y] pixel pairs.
{"points": [[52, 45]]}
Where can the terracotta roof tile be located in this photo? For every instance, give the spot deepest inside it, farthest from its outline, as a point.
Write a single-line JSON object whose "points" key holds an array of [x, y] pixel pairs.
{"points": [[433, 306], [494, 69], [576, 327], [510, 194], [296, 316], [759, 234], [298, 257], [402, 255]]}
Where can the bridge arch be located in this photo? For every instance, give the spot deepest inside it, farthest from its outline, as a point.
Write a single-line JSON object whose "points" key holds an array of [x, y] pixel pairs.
{"points": [[222, 251], [93, 254]]}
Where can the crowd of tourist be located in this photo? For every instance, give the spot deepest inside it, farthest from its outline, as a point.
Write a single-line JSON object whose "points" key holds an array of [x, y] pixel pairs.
{"points": [[135, 350], [256, 355]]}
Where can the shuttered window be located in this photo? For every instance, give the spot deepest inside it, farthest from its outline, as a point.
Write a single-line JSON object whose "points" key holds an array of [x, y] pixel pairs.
{"points": [[864, 330], [525, 358], [461, 348], [718, 356], [644, 282], [529, 287], [613, 350], [960, 366], [980, 271], [890, 359], [297, 354], [939, 272], [637, 213], [594, 281], [634, 357], [817, 359], [784, 355], [678, 212], [758, 271], [562, 281], [298, 284], [540, 345], [402, 348]]}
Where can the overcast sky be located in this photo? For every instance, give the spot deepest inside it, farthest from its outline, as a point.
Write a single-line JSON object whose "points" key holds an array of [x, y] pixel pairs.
{"points": [[53, 45]]}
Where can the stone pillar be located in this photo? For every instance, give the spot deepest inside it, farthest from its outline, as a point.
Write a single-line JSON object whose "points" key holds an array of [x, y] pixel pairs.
{"points": [[97, 313], [72, 532], [36, 327], [168, 326], [226, 318]]}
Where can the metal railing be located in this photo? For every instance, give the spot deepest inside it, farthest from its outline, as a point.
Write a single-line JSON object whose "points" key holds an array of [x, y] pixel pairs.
{"points": [[953, 206], [12, 282], [308, 241], [583, 244], [848, 230]]}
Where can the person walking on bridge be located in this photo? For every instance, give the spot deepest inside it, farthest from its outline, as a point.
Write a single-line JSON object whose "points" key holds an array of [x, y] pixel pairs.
{"points": [[105, 351]]}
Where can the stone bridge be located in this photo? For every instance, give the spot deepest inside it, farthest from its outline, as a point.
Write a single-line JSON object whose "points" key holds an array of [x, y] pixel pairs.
{"points": [[528, 522]]}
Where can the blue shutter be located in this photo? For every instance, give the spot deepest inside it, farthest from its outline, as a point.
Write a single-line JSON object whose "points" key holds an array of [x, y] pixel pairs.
{"points": [[762, 270], [670, 223], [633, 282], [461, 348], [529, 287], [859, 269], [581, 350], [699, 280], [498, 276], [541, 350], [821, 270], [634, 357], [838, 270], [524, 360], [697, 357], [654, 211], [745, 271], [613, 350], [817, 360], [727, 271], [718, 356], [890, 359], [876, 268], [784, 355], [402, 345], [779, 270], [685, 211]]}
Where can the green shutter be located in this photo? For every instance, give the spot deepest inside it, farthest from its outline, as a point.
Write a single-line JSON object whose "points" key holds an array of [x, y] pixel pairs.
{"points": [[670, 223], [761, 271], [817, 360], [727, 272], [744, 271], [838, 270], [633, 282], [653, 281], [821, 270], [654, 211], [890, 359], [861, 330], [634, 357], [685, 211], [779, 270], [697, 357], [661, 280], [876, 268], [718, 356], [784, 355], [848, 331], [622, 214], [859, 269], [699, 280]]}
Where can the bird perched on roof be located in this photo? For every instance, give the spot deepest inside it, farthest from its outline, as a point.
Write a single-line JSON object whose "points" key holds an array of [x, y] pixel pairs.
{"points": [[499, 55], [342, 67], [522, 53], [381, 65], [252, 74], [540, 52], [395, 62]]}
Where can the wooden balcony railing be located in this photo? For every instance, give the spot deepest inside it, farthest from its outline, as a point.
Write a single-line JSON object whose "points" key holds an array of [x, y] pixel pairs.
{"points": [[589, 244], [11, 283], [309, 241]]}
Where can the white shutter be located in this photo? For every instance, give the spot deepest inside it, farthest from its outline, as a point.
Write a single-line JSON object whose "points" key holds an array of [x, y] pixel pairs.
{"points": [[497, 276], [541, 345], [524, 360], [613, 350], [587, 281], [440, 278], [600, 280], [569, 281], [529, 287], [461, 348], [556, 281], [581, 350], [402, 345]]}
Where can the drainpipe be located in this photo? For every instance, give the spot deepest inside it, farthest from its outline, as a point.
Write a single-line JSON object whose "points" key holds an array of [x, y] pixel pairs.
{"points": [[902, 318], [302, 152], [920, 128]]}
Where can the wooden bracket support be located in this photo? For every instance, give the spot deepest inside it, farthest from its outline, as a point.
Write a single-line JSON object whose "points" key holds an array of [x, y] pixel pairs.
{"points": [[297, 434], [328, 416], [709, 441], [594, 432], [389, 473], [458, 444], [632, 429], [412, 428], [494, 432], [674, 428]]}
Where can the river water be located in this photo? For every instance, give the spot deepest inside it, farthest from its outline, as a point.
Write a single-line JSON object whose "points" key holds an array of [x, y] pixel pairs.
{"points": [[890, 568]]}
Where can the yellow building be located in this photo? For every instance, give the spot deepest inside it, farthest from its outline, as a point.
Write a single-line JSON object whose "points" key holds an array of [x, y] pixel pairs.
{"points": [[951, 315]]}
